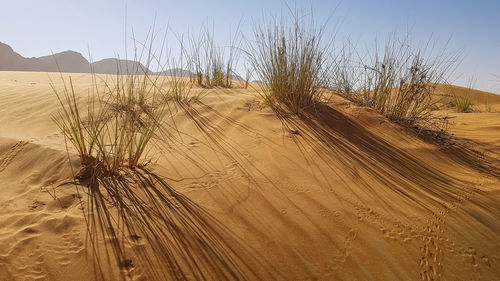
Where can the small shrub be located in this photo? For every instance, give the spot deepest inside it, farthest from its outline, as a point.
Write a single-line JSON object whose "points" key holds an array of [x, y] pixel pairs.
{"points": [[291, 61], [461, 103], [213, 65], [121, 118], [400, 82]]}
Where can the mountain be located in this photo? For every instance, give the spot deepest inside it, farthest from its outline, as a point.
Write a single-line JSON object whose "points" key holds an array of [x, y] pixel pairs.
{"points": [[10, 60], [67, 61], [70, 61], [176, 72], [114, 66]]}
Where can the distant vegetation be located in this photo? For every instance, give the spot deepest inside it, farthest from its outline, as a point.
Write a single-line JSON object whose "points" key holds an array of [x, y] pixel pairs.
{"points": [[461, 103], [213, 65]]}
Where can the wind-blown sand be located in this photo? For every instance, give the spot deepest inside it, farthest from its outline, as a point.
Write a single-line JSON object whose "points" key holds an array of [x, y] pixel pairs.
{"points": [[345, 195]]}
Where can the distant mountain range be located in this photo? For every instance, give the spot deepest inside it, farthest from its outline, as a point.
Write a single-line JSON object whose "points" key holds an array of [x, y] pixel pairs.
{"points": [[70, 61]]}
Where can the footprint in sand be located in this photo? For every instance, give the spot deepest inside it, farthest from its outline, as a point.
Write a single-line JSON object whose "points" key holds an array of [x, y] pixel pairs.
{"points": [[37, 205]]}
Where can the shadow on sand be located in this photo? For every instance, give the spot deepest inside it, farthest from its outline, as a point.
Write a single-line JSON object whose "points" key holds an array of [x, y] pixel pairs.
{"points": [[171, 237], [147, 225], [344, 144]]}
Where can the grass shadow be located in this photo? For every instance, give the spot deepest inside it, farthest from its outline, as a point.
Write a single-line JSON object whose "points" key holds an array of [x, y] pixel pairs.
{"points": [[345, 145], [146, 222]]}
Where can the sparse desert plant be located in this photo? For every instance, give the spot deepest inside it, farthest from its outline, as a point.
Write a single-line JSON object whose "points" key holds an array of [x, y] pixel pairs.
{"points": [[400, 82], [112, 133], [118, 124], [177, 83], [179, 87], [461, 103], [213, 65], [291, 61], [121, 118]]}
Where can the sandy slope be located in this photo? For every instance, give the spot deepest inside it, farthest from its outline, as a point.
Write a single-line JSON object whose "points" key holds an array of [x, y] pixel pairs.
{"points": [[478, 97], [343, 195]]}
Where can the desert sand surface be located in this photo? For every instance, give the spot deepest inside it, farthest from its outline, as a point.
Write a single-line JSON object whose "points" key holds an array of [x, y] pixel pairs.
{"points": [[340, 193]]}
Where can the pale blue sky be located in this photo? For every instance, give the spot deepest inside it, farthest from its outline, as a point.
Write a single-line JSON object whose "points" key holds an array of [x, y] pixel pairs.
{"points": [[37, 27]]}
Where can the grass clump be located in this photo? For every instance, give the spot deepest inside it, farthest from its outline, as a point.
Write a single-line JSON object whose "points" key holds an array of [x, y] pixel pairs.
{"points": [[213, 65], [179, 87], [461, 103], [398, 81], [119, 123], [291, 61]]}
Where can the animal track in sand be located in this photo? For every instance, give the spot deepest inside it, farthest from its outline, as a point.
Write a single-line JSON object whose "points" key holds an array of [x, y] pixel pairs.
{"points": [[430, 236], [31, 265], [217, 178], [346, 250], [207, 181], [194, 144], [6, 158], [336, 264], [430, 262]]}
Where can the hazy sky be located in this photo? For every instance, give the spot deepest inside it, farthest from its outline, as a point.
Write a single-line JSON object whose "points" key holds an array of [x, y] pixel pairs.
{"points": [[39, 27]]}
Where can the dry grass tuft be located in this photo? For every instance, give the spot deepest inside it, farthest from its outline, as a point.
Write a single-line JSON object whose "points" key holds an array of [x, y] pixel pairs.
{"points": [[461, 103], [398, 82], [118, 125], [213, 65], [291, 61]]}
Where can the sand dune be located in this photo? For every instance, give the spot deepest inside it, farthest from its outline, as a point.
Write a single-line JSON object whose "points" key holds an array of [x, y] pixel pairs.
{"points": [[478, 97], [335, 194]]}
